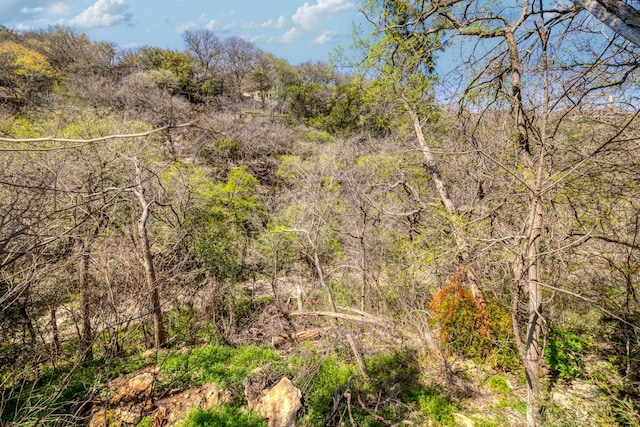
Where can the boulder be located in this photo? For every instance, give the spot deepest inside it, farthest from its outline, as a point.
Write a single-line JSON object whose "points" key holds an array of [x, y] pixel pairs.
{"points": [[280, 405]]}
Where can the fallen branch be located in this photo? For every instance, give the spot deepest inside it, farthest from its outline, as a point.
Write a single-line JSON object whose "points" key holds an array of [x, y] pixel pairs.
{"points": [[365, 319]]}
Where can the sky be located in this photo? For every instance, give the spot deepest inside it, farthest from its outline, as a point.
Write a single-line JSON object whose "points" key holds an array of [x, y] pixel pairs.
{"points": [[295, 30]]}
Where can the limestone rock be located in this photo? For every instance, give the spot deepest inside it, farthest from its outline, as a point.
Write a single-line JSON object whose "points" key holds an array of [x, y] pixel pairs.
{"points": [[138, 388], [100, 418], [462, 420], [280, 404]]}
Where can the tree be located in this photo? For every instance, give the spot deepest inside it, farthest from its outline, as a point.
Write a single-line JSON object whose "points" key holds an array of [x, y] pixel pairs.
{"points": [[240, 57], [25, 72], [171, 69], [533, 75], [207, 49], [617, 15]]}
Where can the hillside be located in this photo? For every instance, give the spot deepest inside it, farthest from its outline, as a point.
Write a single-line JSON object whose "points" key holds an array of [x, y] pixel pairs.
{"points": [[177, 238]]}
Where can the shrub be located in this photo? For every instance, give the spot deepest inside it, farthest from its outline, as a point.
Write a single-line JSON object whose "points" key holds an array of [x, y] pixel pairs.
{"points": [[563, 354], [465, 328]]}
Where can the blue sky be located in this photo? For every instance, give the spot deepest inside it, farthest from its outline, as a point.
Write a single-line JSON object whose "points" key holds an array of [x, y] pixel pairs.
{"points": [[296, 30]]}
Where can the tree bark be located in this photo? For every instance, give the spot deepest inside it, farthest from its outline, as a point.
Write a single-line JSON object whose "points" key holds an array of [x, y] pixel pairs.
{"points": [[528, 268], [615, 14], [447, 201], [159, 334]]}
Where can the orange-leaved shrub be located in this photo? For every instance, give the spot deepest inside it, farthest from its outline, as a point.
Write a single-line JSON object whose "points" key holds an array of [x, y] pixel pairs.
{"points": [[468, 330]]}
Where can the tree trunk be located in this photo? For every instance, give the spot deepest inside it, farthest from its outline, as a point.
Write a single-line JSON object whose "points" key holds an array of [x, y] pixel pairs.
{"points": [[615, 14], [55, 337], [445, 198], [159, 334], [86, 338], [528, 268]]}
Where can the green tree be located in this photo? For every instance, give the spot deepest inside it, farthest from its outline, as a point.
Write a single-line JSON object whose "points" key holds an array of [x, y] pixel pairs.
{"points": [[170, 69]]}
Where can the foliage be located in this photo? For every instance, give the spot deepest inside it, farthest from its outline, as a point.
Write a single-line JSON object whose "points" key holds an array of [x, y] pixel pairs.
{"points": [[498, 384], [564, 352], [465, 328], [215, 363], [233, 213], [171, 69], [24, 71], [329, 376], [438, 408], [226, 415]]}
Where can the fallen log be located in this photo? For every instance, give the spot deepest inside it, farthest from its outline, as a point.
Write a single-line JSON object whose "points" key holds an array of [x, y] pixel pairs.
{"points": [[356, 318]]}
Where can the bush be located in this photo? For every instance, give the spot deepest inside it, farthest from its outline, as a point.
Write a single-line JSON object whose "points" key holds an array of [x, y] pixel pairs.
{"points": [[563, 354], [465, 328]]}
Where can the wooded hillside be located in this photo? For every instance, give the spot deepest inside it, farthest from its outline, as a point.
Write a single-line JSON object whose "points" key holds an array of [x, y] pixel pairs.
{"points": [[420, 241]]}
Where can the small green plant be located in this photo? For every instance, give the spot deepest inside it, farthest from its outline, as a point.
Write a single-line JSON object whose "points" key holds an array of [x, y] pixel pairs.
{"points": [[319, 391], [145, 422], [437, 408], [318, 136], [229, 416], [498, 384], [563, 354]]}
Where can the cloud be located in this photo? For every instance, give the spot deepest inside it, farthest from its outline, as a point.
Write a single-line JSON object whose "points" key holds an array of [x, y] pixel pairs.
{"points": [[326, 37], [291, 35], [103, 13], [32, 10], [218, 27], [205, 23], [29, 14], [310, 16], [270, 24]]}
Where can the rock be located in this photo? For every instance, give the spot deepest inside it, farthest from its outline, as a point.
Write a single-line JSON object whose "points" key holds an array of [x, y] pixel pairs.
{"points": [[131, 415], [462, 420], [134, 389], [100, 418], [280, 404], [173, 407], [211, 398]]}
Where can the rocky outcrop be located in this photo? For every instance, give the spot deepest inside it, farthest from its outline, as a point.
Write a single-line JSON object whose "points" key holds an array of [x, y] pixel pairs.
{"points": [[280, 404]]}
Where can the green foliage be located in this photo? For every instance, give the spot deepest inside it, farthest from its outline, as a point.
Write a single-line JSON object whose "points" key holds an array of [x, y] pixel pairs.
{"points": [[437, 408], [227, 148], [226, 415], [498, 384], [186, 327], [232, 215], [145, 422], [215, 363], [171, 69], [564, 352], [329, 376], [318, 137]]}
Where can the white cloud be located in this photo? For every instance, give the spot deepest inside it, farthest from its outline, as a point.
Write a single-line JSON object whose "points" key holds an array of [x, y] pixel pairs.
{"points": [[29, 14], [325, 37], [204, 22], [103, 13], [32, 10], [310, 16], [291, 35], [270, 24], [216, 26]]}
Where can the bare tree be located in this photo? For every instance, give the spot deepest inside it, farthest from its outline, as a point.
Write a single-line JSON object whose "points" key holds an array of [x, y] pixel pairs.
{"points": [[239, 60]]}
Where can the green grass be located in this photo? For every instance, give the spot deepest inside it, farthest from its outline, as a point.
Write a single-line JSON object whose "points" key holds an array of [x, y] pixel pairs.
{"points": [[214, 363], [226, 416]]}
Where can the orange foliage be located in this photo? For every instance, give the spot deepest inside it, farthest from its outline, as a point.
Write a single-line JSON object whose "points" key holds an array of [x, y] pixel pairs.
{"points": [[464, 326]]}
